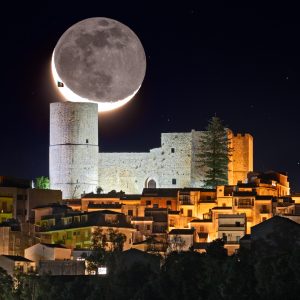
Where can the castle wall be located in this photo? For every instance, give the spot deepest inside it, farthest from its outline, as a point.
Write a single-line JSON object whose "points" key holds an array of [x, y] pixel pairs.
{"points": [[242, 157], [169, 166], [173, 165], [73, 153]]}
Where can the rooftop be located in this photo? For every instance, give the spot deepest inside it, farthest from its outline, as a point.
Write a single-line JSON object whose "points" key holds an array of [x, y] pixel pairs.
{"points": [[149, 218], [182, 231], [162, 192], [53, 245], [244, 194], [17, 258], [107, 206], [222, 207]]}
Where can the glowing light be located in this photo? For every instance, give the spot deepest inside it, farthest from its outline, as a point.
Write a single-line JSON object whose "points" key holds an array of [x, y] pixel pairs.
{"points": [[68, 94], [102, 270]]}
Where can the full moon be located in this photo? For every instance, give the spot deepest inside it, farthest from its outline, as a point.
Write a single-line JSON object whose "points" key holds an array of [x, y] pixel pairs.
{"points": [[99, 60]]}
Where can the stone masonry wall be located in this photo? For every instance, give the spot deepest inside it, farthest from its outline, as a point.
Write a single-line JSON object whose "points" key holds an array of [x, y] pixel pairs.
{"points": [[73, 154], [169, 166], [173, 165]]}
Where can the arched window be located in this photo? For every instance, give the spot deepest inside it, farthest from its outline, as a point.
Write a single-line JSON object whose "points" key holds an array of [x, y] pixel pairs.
{"points": [[151, 184]]}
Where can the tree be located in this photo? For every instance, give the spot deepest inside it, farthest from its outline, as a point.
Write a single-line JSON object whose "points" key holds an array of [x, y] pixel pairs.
{"points": [[216, 250], [106, 244], [215, 153], [6, 285], [42, 182], [176, 243], [99, 190]]}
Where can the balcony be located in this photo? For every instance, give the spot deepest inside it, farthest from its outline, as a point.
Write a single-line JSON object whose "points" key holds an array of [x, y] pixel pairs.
{"points": [[231, 227], [186, 202], [244, 206]]}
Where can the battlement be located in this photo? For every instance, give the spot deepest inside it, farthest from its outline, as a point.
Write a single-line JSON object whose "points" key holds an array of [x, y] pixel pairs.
{"points": [[242, 135]]}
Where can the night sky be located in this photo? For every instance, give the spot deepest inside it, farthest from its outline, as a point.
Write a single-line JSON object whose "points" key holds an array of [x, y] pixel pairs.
{"points": [[240, 63]]}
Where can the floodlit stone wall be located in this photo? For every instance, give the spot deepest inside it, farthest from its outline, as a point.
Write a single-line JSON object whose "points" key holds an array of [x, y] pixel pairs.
{"points": [[170, 166], [77, 167], [73, 155], [174, 164], [242, 156]]}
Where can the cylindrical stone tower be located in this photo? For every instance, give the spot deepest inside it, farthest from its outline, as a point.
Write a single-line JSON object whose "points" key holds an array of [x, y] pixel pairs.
{"points": [[73, 153]]}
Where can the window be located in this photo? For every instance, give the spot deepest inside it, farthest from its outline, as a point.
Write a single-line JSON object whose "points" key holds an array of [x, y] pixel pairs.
{"points": [[130, 212], [151, 184], [181, 210], [201, 228], [208, 198], [173, 181], [4, 206], [84, 218], [155, 205], [169, 202], [190, 212], [87, 141], [224, 237], [148, 202], [223, 204], [245, 203], [172, 150], [148, 227], [237, 224]]}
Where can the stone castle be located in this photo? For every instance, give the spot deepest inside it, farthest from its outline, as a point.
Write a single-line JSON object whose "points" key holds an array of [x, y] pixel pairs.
{"points": [[76, 167]]}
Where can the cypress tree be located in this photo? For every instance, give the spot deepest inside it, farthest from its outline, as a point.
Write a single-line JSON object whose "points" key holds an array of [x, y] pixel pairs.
{"points": [[215, 153]]}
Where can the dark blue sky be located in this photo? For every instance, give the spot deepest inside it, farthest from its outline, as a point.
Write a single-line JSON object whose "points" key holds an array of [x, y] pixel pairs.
{"points": [[242, 63]]}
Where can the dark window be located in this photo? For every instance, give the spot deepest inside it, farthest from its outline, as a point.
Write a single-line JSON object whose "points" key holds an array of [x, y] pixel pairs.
{"points": [[151, 184], [224, 237], [148, 202], [4, 206], [155, 205], [181, 210], [130, 212], [148, 227], [87, 141], [173, 181], [190, 212], [172, 150], [169, 202], [237, 224]]}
